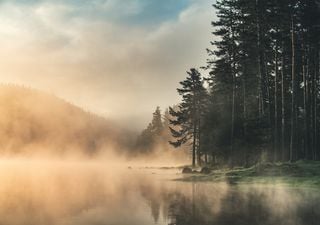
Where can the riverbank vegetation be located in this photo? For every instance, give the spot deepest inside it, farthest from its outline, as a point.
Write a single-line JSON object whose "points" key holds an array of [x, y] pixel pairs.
{"points": [[297, 174]]}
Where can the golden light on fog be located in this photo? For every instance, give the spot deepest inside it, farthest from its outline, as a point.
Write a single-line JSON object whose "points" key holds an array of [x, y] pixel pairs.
{"points": [[93, 131]]}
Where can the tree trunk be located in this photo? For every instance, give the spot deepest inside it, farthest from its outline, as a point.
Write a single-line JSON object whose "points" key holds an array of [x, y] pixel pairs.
{"points": [[293, 96], [276, 106], [260, 63], [194, 146], [198, 140], [244, 107], [308, 105], [317, 152], [233, 98], [283, 155], [316, 105], [305, 105], [312, 108], [233, 117]]}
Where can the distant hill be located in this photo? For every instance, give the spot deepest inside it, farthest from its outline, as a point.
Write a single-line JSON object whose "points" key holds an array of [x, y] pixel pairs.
{"points": [[32, 121]]}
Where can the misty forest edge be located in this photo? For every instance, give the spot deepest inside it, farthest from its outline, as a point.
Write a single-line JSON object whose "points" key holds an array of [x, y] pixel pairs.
{"points": [[261, 98]]}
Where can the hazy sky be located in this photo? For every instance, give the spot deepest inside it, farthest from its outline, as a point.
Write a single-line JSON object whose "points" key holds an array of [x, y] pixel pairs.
{"points": [[117, 58]]}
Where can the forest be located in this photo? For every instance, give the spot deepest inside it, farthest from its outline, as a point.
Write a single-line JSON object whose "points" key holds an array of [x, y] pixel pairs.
{"points": [[160, 112], [257, 96]]}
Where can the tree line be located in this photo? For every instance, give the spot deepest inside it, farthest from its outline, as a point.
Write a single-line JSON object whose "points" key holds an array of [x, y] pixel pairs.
{"points": [[155, 135], [261, 97]]}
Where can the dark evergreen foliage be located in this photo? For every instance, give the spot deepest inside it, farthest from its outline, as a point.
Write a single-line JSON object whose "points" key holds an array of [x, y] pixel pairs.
{"points": [[263, 102], [187, 119]]}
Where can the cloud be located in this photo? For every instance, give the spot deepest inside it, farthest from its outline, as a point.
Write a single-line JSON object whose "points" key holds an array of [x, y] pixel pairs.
{"points": [[118, 67]]}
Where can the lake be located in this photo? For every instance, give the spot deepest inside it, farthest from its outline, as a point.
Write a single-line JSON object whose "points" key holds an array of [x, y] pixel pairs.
{"points": [[85, 193]]}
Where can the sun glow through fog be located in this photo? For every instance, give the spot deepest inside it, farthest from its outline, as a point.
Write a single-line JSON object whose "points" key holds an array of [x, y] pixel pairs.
{"points": [[63, 48]]}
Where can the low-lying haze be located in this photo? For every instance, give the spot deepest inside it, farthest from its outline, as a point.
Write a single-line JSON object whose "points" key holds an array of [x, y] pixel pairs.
{"points": [[81, 193], [107, 56]]}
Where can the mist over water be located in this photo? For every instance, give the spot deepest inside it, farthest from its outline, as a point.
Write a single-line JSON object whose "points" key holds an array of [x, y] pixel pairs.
{"points": [[74, 192]]}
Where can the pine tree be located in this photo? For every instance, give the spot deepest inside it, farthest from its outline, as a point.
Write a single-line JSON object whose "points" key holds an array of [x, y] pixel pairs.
{"points": [[264, 79], [264, 90], [152, 135], [189, 114], [157, 124]]}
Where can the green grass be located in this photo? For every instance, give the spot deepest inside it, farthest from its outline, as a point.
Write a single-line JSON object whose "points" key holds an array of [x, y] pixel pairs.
{"points": [[298, 174]]}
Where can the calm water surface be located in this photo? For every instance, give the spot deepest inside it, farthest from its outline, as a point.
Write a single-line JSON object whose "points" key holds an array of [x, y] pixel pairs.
{"points": [[44, 193]]}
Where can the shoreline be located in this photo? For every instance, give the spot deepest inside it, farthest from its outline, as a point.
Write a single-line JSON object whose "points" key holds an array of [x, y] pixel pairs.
{"points": [[301, 174]]}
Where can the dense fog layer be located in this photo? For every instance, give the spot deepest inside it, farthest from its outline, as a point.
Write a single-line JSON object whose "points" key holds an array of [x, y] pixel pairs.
{"points": [[33, 122], [36, 124], [61, 165], [75, 193]]}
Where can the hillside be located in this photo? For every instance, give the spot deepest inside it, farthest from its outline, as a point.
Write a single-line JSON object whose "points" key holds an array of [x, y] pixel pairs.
{"points": [[35, 122]]}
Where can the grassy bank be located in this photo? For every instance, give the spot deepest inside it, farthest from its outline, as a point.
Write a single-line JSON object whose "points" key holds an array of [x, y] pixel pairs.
{"points": [[298, 174]]}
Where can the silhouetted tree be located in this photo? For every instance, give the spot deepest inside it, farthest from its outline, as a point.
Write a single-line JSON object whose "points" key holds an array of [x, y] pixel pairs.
{"points": [[264, 73], [152, 135], [189, 115]]}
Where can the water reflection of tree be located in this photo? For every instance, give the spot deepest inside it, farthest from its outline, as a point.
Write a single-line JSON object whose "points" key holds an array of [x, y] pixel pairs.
{"points": [[153, 197], [195, 206], [189, 209], [178, 208], [242, 208]]}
